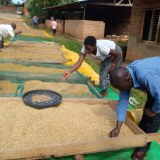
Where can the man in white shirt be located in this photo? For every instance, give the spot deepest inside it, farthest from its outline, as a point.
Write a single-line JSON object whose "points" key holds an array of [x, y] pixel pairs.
{"points": [[107, 51], [7, 30]]}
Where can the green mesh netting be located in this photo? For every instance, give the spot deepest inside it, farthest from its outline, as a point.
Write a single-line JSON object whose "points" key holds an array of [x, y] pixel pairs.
{"points": [[20, 78], [111, 95], [31, 38], [38, 64], [20, 90], [47, 77]]}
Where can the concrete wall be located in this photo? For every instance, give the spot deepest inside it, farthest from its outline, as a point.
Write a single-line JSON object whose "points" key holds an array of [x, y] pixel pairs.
{"points": [[137, 48], [80, 28]]}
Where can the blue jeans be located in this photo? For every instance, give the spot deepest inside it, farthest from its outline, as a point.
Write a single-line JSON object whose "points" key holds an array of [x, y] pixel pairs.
{"points": [[149, 124]]}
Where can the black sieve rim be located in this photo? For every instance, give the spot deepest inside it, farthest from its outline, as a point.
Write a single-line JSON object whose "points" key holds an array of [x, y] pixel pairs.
{"points": [[56, 98]]}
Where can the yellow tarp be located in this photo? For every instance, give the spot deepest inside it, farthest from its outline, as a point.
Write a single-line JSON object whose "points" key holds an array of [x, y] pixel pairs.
{"points": [[85, 68]]}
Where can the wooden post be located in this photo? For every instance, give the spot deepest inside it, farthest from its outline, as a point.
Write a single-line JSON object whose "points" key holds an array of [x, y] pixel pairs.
{"points": [[84, 12]]}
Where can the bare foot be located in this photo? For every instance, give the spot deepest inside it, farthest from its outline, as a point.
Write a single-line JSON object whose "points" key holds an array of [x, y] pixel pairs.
{"points": [[104, 93]]}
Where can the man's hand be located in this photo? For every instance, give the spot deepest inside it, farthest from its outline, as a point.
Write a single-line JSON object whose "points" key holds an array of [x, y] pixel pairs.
{"points": [[66, 75], [16, 33], [114, 132], [149, 112]]}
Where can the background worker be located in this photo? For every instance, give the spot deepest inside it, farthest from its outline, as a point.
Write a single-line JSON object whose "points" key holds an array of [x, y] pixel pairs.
{"points": [[53, 26], [35, 21], [107, 51], [7, 30], [144, 74]]}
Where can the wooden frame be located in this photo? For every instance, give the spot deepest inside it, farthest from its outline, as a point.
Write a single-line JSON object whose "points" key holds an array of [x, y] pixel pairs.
{"points": [[101, 145]]}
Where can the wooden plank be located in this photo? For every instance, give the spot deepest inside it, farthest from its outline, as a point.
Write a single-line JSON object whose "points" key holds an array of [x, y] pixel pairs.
{"points": [[134, 128], [95, 91], [75, 148], [113, 104], [153, 137]]}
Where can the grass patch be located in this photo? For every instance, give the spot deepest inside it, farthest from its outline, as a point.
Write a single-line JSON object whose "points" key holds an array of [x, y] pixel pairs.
{"points": [[140, 96], [27, 20]]}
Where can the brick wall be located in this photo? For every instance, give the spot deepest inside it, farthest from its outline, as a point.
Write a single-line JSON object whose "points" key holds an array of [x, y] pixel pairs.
{"points": [[80, 28], [61, 26], [7, 9], [138, 49], [48, 24], [74, 28], [94, 28]]}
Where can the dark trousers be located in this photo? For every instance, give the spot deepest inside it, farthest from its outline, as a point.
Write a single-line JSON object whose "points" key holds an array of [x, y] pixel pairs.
{"points": [[2, 43], [104, 69], [54, 31], [35, 24], [149, 124]]}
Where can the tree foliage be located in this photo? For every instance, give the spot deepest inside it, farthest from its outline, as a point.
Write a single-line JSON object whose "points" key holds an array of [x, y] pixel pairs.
{"points": [[35, 7], [5, 2]]}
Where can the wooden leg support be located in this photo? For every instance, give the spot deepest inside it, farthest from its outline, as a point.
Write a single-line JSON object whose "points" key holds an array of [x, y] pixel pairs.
{"points": [[79, 157]]}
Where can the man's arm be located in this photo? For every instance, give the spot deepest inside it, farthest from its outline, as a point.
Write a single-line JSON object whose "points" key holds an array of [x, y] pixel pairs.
{"points": [[117, 56], [74, 67], [16, 33], [121, 111]]}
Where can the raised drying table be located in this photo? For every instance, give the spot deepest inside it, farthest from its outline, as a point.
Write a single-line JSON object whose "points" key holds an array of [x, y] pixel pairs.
{"points": [[76, 126]]}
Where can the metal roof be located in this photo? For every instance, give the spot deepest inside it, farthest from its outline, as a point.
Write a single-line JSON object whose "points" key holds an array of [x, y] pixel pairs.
{"points": [[80, 4]]}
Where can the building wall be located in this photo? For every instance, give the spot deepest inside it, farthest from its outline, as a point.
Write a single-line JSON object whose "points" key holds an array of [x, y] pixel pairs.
{"points": [[80, 28], [7, 9], [48, 24], [137, 48], [74, 28]]}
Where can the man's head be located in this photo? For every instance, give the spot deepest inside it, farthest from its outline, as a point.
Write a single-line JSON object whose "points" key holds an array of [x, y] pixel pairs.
{"points": [[90, 44], [121, 79], [13, 26]]}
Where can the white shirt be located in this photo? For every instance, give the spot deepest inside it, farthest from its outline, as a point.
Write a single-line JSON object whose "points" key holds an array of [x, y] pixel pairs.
{"points": [[103, 49], [6, 30]]}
